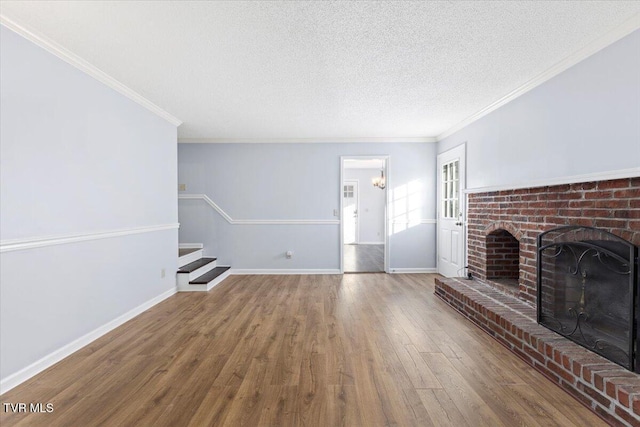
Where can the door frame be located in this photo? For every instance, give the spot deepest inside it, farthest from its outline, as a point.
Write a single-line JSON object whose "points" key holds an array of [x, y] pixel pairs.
{"points": [[459, 151], [357, 197], [387, 173]]}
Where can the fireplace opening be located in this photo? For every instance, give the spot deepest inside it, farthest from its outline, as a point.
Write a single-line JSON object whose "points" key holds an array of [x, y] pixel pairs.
{"points": [[588, 290], [503, 258]]}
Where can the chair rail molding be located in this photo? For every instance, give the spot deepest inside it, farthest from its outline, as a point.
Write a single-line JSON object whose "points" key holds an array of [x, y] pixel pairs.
{"points": [[42, 241], [230, 220], [414, 221]]}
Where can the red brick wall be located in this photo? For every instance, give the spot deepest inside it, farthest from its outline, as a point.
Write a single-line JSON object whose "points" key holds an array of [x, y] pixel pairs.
{"points": [[612, 205], [502, 255]]}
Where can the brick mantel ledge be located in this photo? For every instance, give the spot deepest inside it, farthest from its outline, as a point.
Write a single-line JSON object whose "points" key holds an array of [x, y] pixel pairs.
{"points": [[606, 388]]}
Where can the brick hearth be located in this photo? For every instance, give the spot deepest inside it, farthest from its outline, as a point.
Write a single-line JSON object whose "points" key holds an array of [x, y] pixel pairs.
{"points": [[501, 234], [606, 388]]}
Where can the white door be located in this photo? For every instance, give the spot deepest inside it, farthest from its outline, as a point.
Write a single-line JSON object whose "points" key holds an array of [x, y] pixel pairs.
{"points": [[350, 211], [451, 211]]}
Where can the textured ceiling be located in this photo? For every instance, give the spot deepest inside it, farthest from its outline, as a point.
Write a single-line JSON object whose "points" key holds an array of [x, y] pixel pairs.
{"points": [[286, 70]]}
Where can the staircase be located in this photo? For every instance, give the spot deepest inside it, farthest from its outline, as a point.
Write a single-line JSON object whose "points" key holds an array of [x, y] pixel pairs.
{"points": [[197, 273]]}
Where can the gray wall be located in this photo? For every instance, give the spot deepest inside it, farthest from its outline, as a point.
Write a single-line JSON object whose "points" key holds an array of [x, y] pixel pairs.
{"points": [[77, 158], [298, 181], [371, 205], [586, 120]]}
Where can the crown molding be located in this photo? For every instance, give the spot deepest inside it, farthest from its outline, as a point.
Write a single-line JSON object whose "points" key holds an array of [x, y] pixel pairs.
{"points": [[305, 140], [596, 45], [82, 65]]}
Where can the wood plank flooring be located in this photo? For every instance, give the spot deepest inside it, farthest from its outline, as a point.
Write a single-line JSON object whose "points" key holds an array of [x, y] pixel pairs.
{"points": [[352, 350]]}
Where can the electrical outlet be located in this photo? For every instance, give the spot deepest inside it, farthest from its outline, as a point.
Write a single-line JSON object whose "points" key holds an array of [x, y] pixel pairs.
{"points": [[335, 212], [289, 254], [182, 187], [163, 273]]}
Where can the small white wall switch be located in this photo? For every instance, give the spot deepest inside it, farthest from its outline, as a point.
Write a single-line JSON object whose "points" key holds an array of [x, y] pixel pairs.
{"points": [[289, 254], [182, 187], [163, 273], [335, 212]]}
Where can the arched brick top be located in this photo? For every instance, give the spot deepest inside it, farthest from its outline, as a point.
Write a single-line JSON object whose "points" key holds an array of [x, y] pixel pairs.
{"points": [[502, 225]]}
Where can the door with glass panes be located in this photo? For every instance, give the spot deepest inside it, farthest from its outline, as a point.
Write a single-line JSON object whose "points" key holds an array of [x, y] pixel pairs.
{"points": [[451, 232]]}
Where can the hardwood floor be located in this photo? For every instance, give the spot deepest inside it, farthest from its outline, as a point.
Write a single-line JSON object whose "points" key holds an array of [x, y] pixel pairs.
{"points": [[363, 258], [353, 350]]}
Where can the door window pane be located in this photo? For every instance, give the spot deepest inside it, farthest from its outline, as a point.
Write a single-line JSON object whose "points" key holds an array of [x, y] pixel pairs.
{"points": [[450, 189]]}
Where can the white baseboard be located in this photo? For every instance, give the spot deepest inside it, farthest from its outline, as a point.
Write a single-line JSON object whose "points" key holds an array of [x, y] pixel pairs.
{"points": [[283, 271], [412, 270], [370, 243], [24, 374]]}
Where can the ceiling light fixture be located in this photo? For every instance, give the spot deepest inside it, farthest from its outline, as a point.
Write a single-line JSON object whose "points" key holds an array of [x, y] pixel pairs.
{"points": [[380, 181]]}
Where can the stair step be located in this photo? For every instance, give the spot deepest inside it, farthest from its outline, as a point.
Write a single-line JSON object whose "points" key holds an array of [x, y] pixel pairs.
{"points": [[186, 251], [188, 255], [209, 276], [196, 265]]}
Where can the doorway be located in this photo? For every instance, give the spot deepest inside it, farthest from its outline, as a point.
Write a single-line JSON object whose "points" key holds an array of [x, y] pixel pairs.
{"points": [[363, 225]]}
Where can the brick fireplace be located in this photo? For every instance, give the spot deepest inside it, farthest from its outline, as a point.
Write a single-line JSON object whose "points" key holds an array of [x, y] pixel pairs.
{"points": [[501, 235], [499, 219]]}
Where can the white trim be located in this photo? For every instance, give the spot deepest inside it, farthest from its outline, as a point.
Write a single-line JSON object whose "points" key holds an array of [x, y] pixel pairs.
{"points": [[190, 245], [253, 271], [415, 221], [367, 140], [340, 211], [413, 270], [256, 221], [596, 176], [82, 65], [286, 221], [596, 45], [370, 243], [187, 259], [39, 242], [40, 365]]}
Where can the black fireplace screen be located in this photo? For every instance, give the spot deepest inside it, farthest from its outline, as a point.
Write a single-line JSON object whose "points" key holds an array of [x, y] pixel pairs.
{"points": [[588, 290]]}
